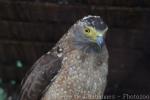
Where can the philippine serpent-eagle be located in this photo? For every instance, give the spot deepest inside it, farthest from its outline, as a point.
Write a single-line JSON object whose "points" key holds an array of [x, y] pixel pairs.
{"points": [[75, 68]]}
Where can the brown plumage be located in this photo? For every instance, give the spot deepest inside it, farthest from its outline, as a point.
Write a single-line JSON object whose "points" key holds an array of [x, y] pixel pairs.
{"points": [[75, 69]]}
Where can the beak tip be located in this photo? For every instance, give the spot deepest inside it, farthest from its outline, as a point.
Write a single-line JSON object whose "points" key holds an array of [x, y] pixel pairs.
{"points": [[100, 41]]}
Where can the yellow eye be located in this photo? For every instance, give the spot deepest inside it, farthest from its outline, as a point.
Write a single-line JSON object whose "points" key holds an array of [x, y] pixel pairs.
{"points": [[87, 30], [90, 33]]}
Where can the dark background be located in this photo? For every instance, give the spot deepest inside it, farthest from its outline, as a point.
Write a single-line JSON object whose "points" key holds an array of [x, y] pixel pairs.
{"points": [[29, 28]]}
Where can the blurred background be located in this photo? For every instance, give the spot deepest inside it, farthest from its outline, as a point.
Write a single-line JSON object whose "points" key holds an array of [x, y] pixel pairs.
{"points": [[29, 28]]}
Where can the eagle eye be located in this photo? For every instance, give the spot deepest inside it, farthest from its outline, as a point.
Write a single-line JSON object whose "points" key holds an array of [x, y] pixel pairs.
{"points": [[87, 30]]}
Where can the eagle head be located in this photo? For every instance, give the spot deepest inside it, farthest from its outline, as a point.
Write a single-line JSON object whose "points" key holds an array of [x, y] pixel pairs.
{"points": [[89, 32]]}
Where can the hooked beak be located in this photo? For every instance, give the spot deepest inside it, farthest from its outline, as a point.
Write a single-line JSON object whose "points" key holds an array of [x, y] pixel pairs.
{"points": [[100, 39]]}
